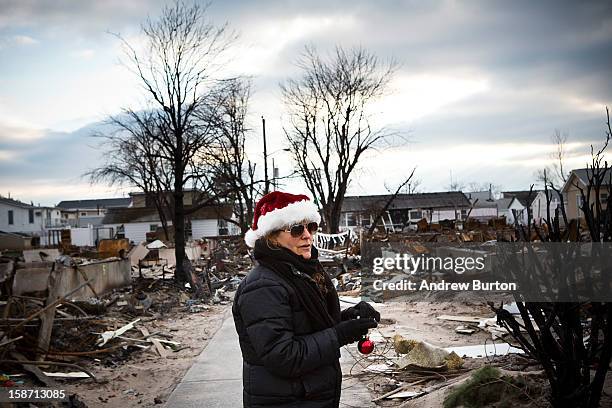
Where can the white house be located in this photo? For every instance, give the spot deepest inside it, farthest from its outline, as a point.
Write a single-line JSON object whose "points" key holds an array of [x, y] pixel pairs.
{"points": [[134, 223], [405, 209], [483, 204], [20, 217], [533, 202], [509, 207]]}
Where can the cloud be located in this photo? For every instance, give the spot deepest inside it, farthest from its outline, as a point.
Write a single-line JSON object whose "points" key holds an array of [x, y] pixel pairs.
{"points": [[262, 50], [53, 166], [24, 40], [512, 165], [6, 155], [414, 96], [50, 191], [84, 17], [489, 76], [19, 134], [17, 40], [84, 54]]}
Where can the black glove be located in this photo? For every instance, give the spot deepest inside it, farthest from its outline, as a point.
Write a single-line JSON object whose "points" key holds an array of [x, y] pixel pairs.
{"points": [[352, 330], [361, 309]]}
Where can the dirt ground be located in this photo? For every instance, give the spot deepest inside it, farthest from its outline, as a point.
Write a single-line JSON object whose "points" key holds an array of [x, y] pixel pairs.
{"points": [[140, 377], [144, 378], [418, 321]]}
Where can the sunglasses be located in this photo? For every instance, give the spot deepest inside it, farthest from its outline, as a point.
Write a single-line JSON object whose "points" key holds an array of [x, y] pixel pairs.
{"points": [[297, 230]]}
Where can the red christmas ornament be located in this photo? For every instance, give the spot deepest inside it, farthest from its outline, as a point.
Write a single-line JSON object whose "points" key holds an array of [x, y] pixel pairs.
{"points": [[365, 346]]}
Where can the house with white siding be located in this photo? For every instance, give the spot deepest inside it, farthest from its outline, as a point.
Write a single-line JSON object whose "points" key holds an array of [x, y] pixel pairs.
{"points": [[19, 217], [135, 222], [532, 204], [483, 205], [512, 209], [406, 209]]}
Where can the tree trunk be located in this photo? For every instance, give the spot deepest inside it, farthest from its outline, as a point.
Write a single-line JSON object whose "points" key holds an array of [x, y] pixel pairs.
{"points": [[334, 224], [179, 232]]}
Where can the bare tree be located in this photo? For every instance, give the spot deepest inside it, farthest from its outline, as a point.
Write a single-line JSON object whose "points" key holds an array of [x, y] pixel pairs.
{"points": [[390, 200], [413, 186], [233, 171], [329, 126], [175, 67], [559, 156], [455, 186], [556, 174], [131, 152], [572, 341]]}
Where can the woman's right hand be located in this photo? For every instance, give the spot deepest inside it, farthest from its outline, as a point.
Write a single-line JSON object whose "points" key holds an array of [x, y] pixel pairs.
{"points": [[361, 309], [350, 331]]}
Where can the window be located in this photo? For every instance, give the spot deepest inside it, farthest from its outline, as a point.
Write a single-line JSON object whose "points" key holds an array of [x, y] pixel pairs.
{"points": [[31, 216], [365, 221], [83, 214], [10, 217], [603, 197], [351, 219], [223, 229], [416, 215], [578, 202], [153, 228]]}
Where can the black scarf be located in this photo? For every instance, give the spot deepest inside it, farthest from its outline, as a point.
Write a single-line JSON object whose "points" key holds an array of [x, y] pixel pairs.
{"points": [[311, 283]]}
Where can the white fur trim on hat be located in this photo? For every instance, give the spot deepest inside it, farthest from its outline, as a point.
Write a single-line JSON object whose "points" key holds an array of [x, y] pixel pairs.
{"points": [[275, 220]]}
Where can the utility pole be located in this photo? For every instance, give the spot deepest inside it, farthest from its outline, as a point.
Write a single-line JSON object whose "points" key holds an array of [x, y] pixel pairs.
{"points": [[265, 152]]}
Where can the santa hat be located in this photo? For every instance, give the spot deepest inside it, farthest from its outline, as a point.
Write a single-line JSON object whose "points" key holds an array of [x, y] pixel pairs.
{"points": [[277, 210]]}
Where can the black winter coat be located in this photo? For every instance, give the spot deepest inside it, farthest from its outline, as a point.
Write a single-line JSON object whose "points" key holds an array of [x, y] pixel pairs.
{"points": [[285, 362]]}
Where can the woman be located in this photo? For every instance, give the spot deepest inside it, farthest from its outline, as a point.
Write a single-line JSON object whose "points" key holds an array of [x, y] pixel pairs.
{"points": [[287, 311]]}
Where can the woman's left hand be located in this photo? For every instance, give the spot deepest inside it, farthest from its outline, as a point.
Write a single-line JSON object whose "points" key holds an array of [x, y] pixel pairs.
{"points": [[361, 309]]}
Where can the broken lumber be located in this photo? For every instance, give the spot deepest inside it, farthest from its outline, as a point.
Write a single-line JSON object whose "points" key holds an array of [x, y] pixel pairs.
{"points": [[46, 318], [465, 319], [44, 309], [399, 389], [84, 275], [74, 374], [31, 367], [111, 334], [4, 343], [163, 353]]}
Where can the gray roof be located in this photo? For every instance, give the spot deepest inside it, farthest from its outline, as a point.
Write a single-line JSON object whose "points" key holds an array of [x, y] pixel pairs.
{"points": [[480, 196], [584, 174], [15, 203], [95, 204], [450, 199], [146, 214], [504, 203], [484, 203], [524, 197]]}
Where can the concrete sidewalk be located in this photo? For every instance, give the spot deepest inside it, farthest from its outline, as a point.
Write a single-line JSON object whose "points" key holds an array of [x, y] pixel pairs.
{"points": [[215, 379]]}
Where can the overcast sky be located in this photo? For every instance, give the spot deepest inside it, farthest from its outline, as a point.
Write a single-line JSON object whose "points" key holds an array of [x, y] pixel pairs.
{"points": [[482, 85]]}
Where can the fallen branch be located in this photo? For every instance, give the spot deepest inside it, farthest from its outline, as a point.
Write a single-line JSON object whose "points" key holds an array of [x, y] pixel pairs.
{"points": [[50, 363]]}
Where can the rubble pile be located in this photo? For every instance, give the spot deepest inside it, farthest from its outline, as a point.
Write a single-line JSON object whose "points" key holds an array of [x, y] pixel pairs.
{"points": [[404, 366], [74, 323], [451, 231]]}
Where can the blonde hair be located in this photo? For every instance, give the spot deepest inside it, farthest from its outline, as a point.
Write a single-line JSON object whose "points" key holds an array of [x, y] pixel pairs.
{"points": [[270, 239]]}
